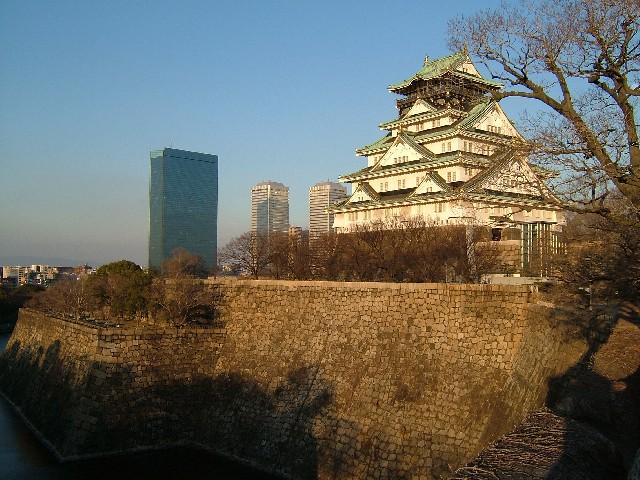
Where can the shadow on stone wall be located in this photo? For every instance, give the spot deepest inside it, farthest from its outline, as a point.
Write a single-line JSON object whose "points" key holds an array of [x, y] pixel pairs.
{"points": [[86, 409], [38, 383], [590, 429], [604, 401]]}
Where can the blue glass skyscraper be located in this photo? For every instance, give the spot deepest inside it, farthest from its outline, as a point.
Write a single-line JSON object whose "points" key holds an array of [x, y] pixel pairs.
{"points": [[183, 205]]}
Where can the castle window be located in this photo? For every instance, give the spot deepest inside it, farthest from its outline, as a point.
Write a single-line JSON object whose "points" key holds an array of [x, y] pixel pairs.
{"points": [[448, 146], [381, 187], [453, 176], [442, 148], [386, 186], [417, 181], [403, 184], [448, 176]]}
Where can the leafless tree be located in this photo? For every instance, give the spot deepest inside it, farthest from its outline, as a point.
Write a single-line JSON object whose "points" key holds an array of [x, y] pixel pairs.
{"points": [[580, 59], [602, 260], [183, 262], [249, 253], [323, 256], [68, 297], [181, 300], [408, 250], [278, 254], [178, 297], [299, 266]]}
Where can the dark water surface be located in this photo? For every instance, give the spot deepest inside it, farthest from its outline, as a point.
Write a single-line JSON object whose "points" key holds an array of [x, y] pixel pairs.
{"points": [[22, 456]]}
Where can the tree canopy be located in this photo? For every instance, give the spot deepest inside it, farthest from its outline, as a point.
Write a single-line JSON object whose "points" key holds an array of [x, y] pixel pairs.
{"points": [[121, 286], [579, 58], [183, 262]]}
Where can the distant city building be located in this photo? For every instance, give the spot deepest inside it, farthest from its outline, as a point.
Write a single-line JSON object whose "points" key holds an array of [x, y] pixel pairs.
{"points": [[321, 196], [16, 275], [183, 205], [295, 231], [269, 208]]}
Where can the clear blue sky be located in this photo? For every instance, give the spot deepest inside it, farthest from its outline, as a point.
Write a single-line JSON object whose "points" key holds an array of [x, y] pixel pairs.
{"points": [[278, 90]]}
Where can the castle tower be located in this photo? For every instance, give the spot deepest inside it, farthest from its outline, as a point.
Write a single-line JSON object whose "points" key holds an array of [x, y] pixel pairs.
{"points": [[449, 158]]}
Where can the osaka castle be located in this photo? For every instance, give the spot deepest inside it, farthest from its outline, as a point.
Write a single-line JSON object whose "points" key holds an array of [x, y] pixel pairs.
{"points": [[450, 158]]}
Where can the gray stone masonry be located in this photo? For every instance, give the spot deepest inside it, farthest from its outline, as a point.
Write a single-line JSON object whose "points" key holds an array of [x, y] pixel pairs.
{"points": [[305, 379]]}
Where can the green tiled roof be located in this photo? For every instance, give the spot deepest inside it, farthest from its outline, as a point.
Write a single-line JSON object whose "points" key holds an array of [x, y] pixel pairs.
{"points": [[424, 151], [388, 198], [486, 81], [476, 113], [433, 68], [473, 115], [420, 116], [377, 144], [501, 159], [368, 189], [438, 160]]}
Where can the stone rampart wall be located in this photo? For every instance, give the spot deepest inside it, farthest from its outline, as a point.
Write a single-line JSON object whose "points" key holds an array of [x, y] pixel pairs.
{"points": [[91, 390], [307, 379]]}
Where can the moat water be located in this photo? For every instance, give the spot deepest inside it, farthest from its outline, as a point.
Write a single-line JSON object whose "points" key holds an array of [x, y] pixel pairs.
{"points": [[22, 456]]}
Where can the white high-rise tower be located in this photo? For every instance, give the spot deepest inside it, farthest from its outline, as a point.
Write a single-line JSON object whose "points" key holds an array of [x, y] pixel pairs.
{"points": [[321, 196], [269, 208]]}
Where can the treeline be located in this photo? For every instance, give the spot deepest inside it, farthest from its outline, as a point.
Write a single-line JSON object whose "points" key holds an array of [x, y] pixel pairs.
{"points": [[123, 292], [602, 258], [389, 251], [12, 299], [600, 262]]}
